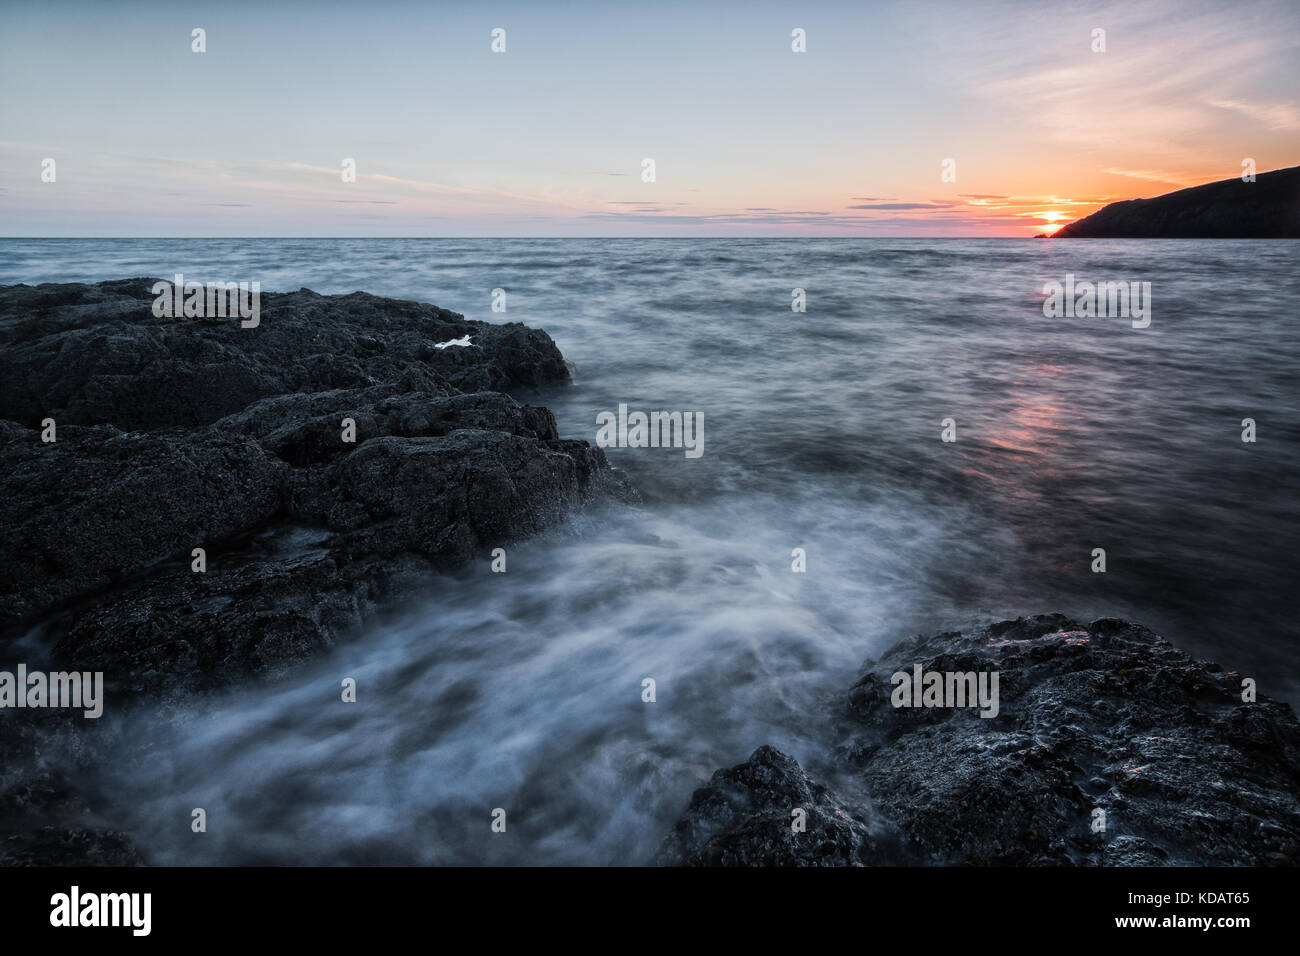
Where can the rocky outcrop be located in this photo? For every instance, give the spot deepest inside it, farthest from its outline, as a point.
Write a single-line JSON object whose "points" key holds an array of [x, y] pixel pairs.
{"points": [[1268, 208], [95, 354], [1101, 717], [176, 434], [29, 838], [746, 816]]}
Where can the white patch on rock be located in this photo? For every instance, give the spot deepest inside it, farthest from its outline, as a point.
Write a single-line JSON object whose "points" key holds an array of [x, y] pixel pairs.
{"points": [[463, 340]]}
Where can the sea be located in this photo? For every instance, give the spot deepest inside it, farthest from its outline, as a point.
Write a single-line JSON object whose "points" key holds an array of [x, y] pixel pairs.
{"points": [[825, 418]]}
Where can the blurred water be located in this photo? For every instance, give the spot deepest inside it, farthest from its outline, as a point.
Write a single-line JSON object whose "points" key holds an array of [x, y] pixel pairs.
{"points": [[522, 690]]}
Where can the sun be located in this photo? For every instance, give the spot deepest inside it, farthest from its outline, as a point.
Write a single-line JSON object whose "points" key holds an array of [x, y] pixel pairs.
{"points": [[1049, 220]]}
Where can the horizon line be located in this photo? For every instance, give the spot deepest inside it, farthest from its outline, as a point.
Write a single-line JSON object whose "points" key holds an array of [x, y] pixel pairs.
{"points": [[637, 238]]}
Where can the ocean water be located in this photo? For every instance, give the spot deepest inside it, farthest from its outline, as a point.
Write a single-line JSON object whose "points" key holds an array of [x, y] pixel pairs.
{"points": [[522, 690]]}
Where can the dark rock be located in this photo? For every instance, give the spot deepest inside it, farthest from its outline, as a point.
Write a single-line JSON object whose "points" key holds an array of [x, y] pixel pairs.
{"points": [[99, 504], [104, 519], [44, 819], [51, 845], [1268, 208], [26, 839], [1105, 716], [174, 434], [95, 354], [744, 817], [251, 615]]}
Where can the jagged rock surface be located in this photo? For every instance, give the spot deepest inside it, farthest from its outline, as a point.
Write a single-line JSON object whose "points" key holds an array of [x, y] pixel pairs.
{"points": [[744, 817], [89, 354], [1101, 716], [176, 434]]}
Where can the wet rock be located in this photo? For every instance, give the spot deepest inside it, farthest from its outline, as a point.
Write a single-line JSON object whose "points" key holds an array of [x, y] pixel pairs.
{"points": [[51, 845], [251, 615], [744, 817], [1101, 717], [31, 797], [176, 434], [99, 504], [104, 519], [88, 354]]}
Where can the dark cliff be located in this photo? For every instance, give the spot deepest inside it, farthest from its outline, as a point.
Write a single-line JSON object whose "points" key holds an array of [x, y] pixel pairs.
{"points": [[1268, 208]]}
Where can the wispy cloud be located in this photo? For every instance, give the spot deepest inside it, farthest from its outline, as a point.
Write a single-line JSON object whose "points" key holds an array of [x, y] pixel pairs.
{"points": [[1156, 91], [1154, 176], [906, 205], [1278, 116]]}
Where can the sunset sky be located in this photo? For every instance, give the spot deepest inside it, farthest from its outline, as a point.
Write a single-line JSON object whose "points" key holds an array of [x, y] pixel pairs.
{"points": [[548, 138]]}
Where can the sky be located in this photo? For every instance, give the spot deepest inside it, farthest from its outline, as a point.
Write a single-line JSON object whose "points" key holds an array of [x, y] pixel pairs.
{"points": [[549, 137]]}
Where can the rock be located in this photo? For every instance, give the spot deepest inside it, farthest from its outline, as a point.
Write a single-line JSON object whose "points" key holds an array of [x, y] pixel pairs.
{"points": [[26, 839], [181, 434], [99, 504], [1106, 716], [51, 845], [744, 817], [154, 459], [95, 354], [1268, 208]]}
